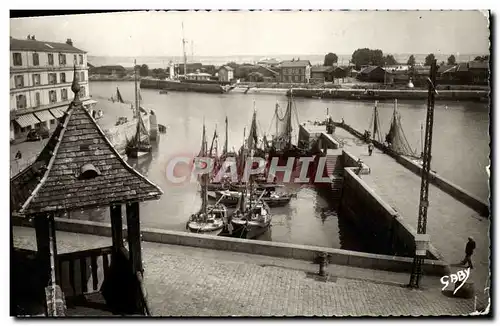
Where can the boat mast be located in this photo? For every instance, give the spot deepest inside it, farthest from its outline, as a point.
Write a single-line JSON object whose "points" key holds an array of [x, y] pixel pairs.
{"points": [[135, 84], [204, 192], [226, 142], [289, 120], [184, 50], [375, 121]]}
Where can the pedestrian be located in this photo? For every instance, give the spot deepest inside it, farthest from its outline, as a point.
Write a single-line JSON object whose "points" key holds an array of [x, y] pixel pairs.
{"points": [[370, 149], [469, 250]]}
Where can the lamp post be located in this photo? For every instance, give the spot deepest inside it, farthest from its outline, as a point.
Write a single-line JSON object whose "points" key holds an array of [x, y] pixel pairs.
{"points": [[422, 239]]}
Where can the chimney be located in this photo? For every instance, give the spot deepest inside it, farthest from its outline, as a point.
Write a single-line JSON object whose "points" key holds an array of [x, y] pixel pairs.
{"points": [[29, 37], [33, 37], [69, 42]]}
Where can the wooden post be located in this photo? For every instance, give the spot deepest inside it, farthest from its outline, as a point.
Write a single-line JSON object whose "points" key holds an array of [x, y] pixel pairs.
{"points": [[45, 239], [116, 226], [134, 236]]}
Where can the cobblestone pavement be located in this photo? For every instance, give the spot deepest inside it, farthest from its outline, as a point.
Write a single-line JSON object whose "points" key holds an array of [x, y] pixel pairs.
{"points": [[449, 222], [186, 281]]}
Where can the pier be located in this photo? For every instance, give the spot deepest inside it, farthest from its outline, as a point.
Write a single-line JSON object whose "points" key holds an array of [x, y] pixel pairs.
{"points": [[451, 221]]}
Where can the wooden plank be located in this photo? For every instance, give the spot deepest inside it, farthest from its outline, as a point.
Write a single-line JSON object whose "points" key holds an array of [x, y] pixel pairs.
{"points": [[105, 263], [83, 274], [95, 281], [72, 276]]}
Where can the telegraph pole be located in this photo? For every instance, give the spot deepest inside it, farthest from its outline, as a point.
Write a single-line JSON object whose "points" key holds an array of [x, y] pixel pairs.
{"points": [[421, 239]]}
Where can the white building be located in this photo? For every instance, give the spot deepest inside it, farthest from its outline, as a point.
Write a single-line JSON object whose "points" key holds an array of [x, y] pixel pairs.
{"points": [[41, 74]]}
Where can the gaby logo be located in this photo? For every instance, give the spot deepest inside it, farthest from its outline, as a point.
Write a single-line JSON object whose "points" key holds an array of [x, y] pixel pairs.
{"points": [[460, 276]]}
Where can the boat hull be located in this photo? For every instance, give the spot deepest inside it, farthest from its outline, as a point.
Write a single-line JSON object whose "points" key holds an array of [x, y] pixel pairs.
{"points": [[212, 224], [251, 230]]}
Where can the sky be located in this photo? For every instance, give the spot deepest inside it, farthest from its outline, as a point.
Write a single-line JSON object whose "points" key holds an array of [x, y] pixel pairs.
{"points": [[266, 33]]}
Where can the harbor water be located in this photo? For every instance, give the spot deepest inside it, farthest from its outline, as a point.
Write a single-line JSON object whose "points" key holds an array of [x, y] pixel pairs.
{"points": [[460, 152]]}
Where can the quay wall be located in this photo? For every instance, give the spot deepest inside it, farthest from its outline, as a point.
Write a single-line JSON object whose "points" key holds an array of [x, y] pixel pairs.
{"points": [[445, 185], [388, 94], [275, 249]]}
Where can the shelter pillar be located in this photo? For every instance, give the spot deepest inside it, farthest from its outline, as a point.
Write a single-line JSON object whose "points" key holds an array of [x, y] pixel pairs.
{"points": [[134, 236], [116, 226], [46, 246]]}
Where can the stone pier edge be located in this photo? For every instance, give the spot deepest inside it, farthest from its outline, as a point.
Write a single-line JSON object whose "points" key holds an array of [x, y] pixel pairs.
{"points": [[447, 186], [266, 248]]}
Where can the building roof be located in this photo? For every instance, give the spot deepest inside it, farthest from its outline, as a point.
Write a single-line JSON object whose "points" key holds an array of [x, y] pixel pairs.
{"points": [[445, 68], [228, 68], [111, 67], [269, 69], [42, 46], [322, 69], [462, 67], [479, 65], [369, 69], [295, 63], [55, 182]]}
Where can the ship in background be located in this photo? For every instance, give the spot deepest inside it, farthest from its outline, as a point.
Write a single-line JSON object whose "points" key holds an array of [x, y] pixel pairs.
{"points": [[189, 82]]}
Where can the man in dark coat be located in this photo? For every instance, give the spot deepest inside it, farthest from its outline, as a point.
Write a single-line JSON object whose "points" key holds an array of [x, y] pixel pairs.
{"points": [[469, 250]]}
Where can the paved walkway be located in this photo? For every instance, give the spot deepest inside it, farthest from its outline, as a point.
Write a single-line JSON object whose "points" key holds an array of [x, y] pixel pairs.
{"points": [[186, 281], [449, 222]]}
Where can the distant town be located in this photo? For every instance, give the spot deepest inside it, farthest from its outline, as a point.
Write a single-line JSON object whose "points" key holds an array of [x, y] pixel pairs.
{"points": [[366, 65]]}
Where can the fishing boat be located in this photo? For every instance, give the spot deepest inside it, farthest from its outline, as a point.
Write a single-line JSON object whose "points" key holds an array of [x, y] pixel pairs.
{"points": [[231, 198], [163, 92], [211, 219], [252, 217], [396, 141], [281, 144], [140, 144], [118, 97]]}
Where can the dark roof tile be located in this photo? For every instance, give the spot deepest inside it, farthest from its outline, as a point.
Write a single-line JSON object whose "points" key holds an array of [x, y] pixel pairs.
{"points": [[35, 45]]}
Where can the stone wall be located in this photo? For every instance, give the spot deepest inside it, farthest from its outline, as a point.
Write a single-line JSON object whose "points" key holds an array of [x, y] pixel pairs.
{"points": [[375, 219]]}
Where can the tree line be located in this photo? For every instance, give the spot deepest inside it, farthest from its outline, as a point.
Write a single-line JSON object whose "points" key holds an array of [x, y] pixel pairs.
{"points": [[375, 57]]}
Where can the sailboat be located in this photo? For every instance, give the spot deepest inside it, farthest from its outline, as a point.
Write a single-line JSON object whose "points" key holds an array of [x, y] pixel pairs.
{"points": [[396, 138], [253, 215], [140, 144], [281, 144], [374, 132], [119, 97], [211, 218]]}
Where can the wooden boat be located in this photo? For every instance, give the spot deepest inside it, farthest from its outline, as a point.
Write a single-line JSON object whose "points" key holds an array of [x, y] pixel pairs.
{"points": [[211, 219], [281, 144], [163, 91], [253, 217], [230, 198], [140, 144]]}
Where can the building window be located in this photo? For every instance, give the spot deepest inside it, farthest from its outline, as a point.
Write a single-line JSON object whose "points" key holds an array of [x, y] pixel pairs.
{"points": [[21, 101], [64, 94], [82, 76], [52, 121], [36, 79], [37, 99], [52, 96], [62, 59], [18, 60], [82, 91], [74, 59], [63, 77], [51, 59], [52, 78], [80, 56], [36, 60], [19, 81]]}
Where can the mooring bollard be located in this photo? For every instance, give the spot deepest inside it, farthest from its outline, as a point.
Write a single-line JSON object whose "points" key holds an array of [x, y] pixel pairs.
{"points": [[323, 261]]}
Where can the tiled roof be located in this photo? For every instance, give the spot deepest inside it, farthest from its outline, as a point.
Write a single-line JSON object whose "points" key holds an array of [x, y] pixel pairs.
{"points": [[52, 182], [444, 68], [296, 63], [269, 69], [228, 68], [368, 70], [35, 45]]}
